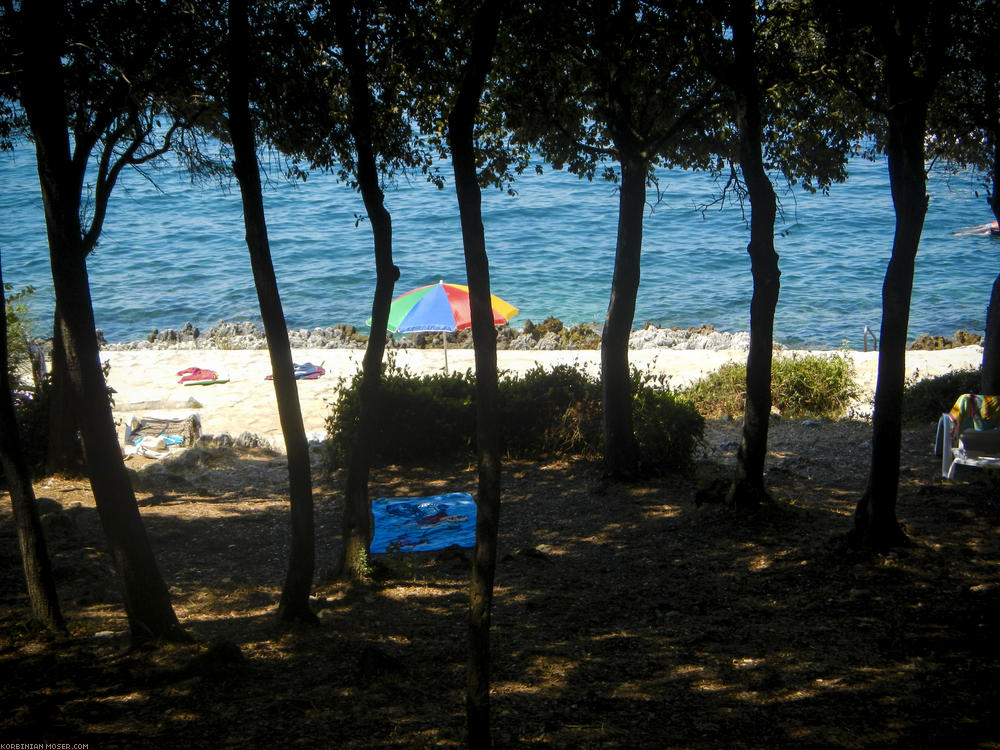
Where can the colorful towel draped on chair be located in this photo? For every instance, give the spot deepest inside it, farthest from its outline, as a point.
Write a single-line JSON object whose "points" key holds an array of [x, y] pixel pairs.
{"points": [[418, 524], [972, 411]]}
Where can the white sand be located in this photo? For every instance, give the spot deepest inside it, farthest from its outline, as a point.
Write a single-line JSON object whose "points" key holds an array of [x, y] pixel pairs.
{"points": [[146, 383]]}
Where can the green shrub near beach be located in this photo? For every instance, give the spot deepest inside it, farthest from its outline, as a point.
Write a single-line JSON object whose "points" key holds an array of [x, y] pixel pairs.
{"points": [[431, 418], [554, 412], [926, 400], [18, 362], [812, 385], [667, 425], [721, 393], [31, 399], [421, 418]]}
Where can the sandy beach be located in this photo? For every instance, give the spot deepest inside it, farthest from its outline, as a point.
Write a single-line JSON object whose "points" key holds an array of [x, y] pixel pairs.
{"points": [[146, 381]]}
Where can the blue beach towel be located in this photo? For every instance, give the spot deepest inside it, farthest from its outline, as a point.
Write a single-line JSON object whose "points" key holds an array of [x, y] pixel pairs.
{"points": [[418, 524]]}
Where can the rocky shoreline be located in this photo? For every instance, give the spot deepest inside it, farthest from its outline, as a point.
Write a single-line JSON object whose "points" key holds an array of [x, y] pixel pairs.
{"points": [[550, 335]]}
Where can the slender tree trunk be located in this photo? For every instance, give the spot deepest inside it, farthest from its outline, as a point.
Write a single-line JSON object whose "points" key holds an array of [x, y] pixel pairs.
{"points": [[621, 451], [62, 455], [991, 344], [748, 488], [461, 123], [990, 384], [994, 194], [147, 602], [294, 604], [30, 536], [875, 523], [357, 528]]}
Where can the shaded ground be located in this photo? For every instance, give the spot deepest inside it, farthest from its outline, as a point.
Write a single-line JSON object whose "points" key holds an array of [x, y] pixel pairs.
{"points": [[626, 615]]}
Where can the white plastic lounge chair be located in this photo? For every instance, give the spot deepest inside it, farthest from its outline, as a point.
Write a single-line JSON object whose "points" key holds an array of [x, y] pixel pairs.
{"points": [[966, 441]]}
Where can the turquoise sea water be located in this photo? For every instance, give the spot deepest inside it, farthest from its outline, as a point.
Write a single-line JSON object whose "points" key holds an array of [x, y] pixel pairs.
{"points": [[173, 252]]}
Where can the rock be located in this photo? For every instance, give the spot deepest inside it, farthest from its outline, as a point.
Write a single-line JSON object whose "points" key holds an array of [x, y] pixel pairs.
{"points": [[582, 337], [248, 440], [927, 342], [47, 505], [550, 334], [505, 335], [549, 342], [522, 343], [964, 338], [706, 337]]}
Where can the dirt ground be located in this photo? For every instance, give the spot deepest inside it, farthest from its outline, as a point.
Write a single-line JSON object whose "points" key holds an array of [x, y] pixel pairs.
{"points": [[625, 616]]}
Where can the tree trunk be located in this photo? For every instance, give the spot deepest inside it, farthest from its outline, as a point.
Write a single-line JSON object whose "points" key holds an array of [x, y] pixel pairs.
{"points": [[748, 488], [875, 524], [461, 123], [294, 604], [991, 343], [147, 602], [62, 454], [621, 451], [990, 384], [356, 532], [30, 536]]}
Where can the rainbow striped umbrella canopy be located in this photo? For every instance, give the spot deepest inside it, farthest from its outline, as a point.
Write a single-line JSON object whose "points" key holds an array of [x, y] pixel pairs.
{"points": [[440, 307]]}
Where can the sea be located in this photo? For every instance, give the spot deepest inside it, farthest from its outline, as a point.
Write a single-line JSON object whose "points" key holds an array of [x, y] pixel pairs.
{"points": [[172, 251]]}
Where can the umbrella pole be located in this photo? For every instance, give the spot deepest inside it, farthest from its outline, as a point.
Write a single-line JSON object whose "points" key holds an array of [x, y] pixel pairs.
{"points": [[444, 338]]}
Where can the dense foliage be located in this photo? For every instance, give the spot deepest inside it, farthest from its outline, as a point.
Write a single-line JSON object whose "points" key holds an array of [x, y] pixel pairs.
{"points": [[430, 418], [806, 386], [31, 399], [927, 400], [18, 323]]}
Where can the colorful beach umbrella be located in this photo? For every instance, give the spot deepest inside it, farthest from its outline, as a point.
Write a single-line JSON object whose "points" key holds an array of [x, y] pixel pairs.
{"points": [[440, 307]]}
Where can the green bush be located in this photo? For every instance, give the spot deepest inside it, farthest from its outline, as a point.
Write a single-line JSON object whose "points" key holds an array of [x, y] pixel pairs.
{"points": [[421, 418], [18, 324], [33, 426], [543, 412], [721, 393], [31, 402], [813, 385], [801, 386], [667, 426], [578, 337], [554, 411], [927, 400]]}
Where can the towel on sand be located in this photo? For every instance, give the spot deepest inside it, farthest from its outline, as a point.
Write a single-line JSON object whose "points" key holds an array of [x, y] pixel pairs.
{"points": [[200, 376], [307, 371], [417, 524], [972, 411]]}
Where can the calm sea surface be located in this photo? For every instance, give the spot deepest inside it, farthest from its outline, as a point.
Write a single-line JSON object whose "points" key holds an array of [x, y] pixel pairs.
{"points": [[173, 252]]}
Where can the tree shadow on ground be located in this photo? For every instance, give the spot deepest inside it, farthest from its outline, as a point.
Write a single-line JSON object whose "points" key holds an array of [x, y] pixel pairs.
{"points": [[625, 616]]}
